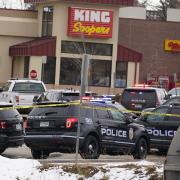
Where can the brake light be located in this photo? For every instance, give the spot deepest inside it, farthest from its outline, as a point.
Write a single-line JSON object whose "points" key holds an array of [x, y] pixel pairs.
{"points": [[86, 98], [3, 125], [17, 99], [70, 122]]}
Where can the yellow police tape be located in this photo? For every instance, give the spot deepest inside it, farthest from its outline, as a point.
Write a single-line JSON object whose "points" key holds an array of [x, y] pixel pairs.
{"points": [[84, 106]]}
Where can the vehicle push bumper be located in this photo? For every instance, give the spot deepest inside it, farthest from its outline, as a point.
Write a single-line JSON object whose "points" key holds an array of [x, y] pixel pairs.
{"points": [[13, 141], [52, 141]]}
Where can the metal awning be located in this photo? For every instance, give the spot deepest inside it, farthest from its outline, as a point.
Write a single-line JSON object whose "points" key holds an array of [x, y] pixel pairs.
{"points": [[44, 46], [108, 2], [127, 54]]}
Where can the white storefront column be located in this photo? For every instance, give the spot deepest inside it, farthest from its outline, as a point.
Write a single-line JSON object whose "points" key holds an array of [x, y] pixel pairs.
{"points": [[58, 68], [130, 74]]}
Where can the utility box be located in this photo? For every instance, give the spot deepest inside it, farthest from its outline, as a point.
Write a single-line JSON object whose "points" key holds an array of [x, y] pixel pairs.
{"points": [[172, 162]]}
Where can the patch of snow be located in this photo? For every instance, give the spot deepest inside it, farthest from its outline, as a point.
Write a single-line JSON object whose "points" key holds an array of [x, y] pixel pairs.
{"points": [[26, 169]]}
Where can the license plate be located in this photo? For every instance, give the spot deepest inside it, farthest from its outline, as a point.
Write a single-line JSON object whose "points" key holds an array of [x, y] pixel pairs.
{"points": [[18, 127], [138, 106], [44, 124]]}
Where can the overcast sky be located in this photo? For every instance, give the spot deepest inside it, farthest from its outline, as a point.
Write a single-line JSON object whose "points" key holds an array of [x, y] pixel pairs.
{"points": [[15, 4], [18, 4]]}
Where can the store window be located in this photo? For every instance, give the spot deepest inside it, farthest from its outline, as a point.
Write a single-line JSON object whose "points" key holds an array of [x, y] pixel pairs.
{"points": [[26, 67], [73, 47], [47, 21], [121, 74], [70, 71], [48, 70], [100, 73]]}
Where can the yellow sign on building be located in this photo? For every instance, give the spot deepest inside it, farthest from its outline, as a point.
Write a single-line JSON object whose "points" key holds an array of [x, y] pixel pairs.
{"points": [[172, 45]]}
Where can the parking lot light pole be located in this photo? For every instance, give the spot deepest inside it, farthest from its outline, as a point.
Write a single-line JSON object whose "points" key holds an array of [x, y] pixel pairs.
{"points": [[83, 88]]}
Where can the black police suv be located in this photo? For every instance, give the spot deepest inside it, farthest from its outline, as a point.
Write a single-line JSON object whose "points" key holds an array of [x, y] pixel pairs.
{"points": [[103, 130], [11, 127], [162, 124]]}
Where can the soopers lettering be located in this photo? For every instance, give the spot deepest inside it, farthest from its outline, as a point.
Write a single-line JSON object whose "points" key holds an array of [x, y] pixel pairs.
{"points": [[78, 27], [114, 133]]}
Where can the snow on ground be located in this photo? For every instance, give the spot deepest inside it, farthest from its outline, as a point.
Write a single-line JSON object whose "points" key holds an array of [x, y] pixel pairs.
{"points": [[26, 169]]}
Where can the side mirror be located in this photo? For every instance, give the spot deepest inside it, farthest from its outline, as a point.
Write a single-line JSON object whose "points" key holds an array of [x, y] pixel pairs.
{"points": [[35, 99], [168, 96], [1, 89], [143, 118], [128, 120]]}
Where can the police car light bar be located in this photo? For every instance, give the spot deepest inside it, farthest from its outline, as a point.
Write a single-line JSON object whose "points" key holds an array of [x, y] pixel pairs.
{"points": [[141, 85]]}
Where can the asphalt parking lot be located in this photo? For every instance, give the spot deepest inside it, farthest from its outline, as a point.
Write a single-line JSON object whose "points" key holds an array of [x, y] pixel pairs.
{"points": [[24, 152]]}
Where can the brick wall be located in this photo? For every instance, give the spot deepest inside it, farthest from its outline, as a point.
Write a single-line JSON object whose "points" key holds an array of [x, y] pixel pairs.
{"points": [[148, 38]]}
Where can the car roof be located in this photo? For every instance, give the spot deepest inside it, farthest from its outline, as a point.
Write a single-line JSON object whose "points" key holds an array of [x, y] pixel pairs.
{"points": [[66, 90], [172, 105], [145, 88], [5, 104], [25, 80], [96, 104]]}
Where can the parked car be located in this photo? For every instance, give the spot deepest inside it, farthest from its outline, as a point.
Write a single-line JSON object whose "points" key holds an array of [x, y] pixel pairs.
{"points": [[117, 105], [172, 162], [174, 92], [103, 130], [141, 97], [11, 127], [175, 99], [63, 95], [21, 92], [171, 101], [161, 125]]}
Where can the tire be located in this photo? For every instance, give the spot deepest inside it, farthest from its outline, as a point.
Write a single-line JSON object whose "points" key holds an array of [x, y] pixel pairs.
{"points": [[39, 154], [2, 149], [90, 149], [141, 149]]}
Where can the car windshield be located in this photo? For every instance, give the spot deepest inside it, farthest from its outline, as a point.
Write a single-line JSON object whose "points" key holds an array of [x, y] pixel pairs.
{"points": [[28, 87], [120, 106], [6, 86], [11, 113], [174, 91], [172, 101]]}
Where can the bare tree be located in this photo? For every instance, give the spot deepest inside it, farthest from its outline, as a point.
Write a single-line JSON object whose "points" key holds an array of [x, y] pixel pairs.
{"points": [[21, 4], [140, 4], [161, 8], [3, 3]]}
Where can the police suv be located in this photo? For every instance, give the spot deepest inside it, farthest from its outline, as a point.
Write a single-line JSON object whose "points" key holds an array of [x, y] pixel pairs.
{"points": [[162, 124], [141, 97], [103, 130]]}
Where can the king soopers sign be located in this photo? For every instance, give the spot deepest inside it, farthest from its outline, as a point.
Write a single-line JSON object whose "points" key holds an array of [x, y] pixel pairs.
{"points": [[90, 22]]}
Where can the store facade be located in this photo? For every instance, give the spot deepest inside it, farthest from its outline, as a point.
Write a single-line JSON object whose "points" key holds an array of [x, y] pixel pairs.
{"points": [[67, 30], [159, 43]]}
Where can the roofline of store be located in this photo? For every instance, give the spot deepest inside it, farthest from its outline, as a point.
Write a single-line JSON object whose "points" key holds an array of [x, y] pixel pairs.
{"points": [[10, 9], [105, 2]]}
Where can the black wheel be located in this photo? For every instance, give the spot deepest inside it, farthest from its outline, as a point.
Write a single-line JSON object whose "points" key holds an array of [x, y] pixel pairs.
{"points": [[90, 149], [2, 149], [39, 154], [141, 149]]}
